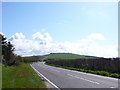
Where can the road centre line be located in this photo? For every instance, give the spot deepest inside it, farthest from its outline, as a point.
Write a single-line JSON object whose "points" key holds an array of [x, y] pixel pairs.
{"points": [[83, 79], [112, 87], [55, 70]]}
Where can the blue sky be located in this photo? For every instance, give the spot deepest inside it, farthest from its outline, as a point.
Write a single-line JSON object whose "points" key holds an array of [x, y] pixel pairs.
{"points": [[62, 21]]}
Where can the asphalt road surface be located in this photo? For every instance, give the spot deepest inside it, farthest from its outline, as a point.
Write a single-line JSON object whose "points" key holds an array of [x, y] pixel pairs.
{"points": [[64, 78]]}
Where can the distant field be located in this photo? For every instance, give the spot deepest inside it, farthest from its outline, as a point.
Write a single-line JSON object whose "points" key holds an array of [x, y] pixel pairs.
{"points": [[67, 56], [22, 76]]}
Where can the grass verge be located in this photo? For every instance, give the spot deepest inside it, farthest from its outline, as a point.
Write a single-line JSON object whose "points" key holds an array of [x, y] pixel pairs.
{"points": [[21, 76], [102, 73], [0, 76]]}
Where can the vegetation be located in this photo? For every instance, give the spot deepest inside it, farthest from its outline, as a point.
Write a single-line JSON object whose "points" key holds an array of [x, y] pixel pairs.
{"points": [[0, 76], [32, 59], [67, 56], [7, 51], [103, 73], [21, 76], [95, 64]]}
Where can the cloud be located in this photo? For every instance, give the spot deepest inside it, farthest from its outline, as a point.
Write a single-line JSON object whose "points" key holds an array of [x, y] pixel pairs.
{"points": [[1, 33], [43, 38], [17, 36], [44, 44]]}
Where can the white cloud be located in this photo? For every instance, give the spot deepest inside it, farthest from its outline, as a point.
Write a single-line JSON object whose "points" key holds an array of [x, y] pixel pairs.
{"points": [[1, 33], [17, 36], [42, 38], [43, 44]]}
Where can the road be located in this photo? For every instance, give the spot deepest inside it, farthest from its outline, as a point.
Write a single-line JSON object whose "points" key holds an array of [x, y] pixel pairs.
{"points": [[64, 78]]}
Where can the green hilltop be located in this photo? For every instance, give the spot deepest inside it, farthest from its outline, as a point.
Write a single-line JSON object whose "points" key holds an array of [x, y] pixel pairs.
{"points": [[67, 56]]}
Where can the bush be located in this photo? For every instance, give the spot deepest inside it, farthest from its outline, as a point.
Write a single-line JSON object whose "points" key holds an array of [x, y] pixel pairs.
{"points": [[93, 72], [103, 73], [115, 75], [82, 70]]}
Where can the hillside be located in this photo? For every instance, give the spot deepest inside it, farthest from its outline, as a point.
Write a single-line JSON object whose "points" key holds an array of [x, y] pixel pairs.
{"points": [[67, 56]]}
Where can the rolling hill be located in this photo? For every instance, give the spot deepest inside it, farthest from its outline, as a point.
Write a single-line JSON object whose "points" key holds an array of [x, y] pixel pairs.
{"points": [[67, 56]]}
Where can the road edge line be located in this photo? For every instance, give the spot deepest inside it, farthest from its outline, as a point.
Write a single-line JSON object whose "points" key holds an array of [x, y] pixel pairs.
{"points": [[45, 78]]}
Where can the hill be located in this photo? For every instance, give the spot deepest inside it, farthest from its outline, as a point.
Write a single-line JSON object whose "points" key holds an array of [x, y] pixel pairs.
{"points": [[67, 56]]}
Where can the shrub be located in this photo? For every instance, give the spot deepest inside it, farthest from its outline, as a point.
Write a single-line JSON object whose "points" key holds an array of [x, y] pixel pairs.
{"points": [[103, 73], [115, 75]]}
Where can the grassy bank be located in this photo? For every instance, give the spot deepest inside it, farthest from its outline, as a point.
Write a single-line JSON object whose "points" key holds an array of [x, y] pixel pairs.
{"points": [[0, 76], [102, 73], [21, 76]]}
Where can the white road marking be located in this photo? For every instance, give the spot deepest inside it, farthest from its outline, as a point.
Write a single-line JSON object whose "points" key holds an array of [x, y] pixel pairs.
{"points": [[45, 78], [112, 87], [83, 79], [55, 70]]}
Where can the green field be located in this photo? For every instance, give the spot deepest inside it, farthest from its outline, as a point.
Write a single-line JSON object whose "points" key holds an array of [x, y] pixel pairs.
{"points": [[0, 76], [22, 76], [67, 56]]}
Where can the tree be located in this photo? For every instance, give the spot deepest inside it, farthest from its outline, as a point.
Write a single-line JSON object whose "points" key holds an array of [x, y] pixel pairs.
{"points": [[0, 48], [3, 44], [7, 51], [9, 55]]}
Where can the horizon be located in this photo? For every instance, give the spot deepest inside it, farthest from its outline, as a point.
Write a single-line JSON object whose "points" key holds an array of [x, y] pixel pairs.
{"points": [[60, 53]]}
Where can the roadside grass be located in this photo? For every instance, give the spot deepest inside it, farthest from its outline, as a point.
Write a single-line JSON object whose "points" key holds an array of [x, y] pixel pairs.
{"points": [[0, 76], [21, 76], [102, 73]]}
